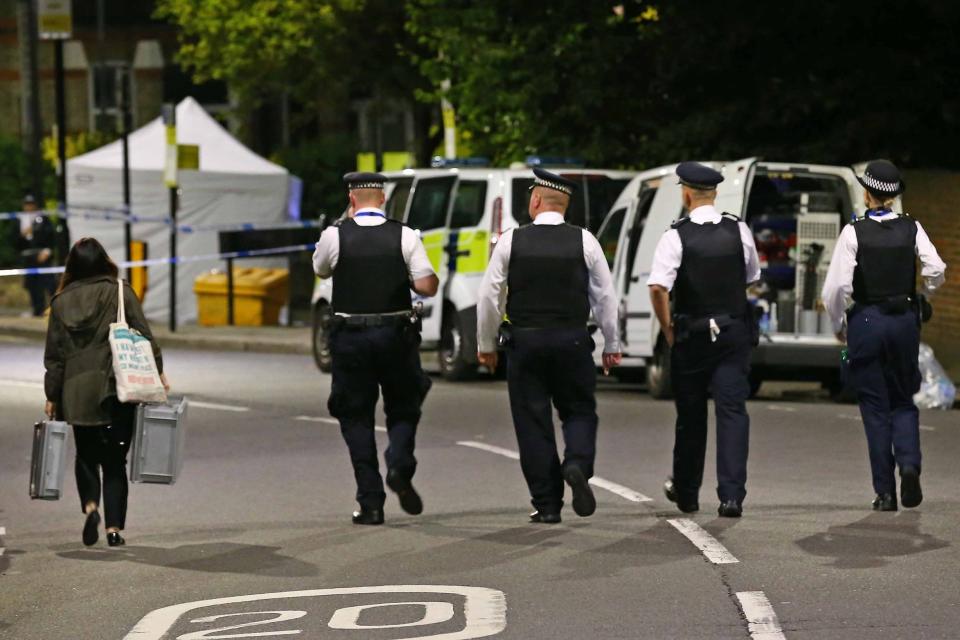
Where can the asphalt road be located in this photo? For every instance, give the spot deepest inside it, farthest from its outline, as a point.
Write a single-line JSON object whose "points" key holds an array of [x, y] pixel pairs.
{"points": [[255, 539]]}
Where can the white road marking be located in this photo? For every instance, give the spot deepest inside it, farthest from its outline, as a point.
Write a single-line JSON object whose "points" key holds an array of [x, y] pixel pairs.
{"points": [[762, 621], [331, 421], [848, 416], [316, 419], [776, 407], [710, 546], [620, 490], [612, 487], [3, 531], [924, 427], [484, 610], [506, 453], [433, 613], [218, 407]]}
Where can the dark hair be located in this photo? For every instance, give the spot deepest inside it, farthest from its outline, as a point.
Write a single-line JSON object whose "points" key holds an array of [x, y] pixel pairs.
{"points": [[87, 259]]}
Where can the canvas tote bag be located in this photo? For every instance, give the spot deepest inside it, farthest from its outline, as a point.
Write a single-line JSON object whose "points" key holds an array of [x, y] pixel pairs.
{"points": [[133, 365]]}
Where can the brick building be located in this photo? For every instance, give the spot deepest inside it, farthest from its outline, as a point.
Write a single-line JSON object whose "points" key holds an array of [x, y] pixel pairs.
{"points": [[124, 40], [933, 197]]}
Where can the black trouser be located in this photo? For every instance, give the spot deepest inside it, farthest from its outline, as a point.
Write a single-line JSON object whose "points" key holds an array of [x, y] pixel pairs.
{"points": [[366, 360], [555, 366], [105, 448], [40, 286], [883, 351], [699, 366]]}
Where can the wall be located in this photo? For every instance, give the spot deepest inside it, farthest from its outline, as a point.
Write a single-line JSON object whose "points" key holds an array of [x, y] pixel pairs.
{"points": [[933, 198]]}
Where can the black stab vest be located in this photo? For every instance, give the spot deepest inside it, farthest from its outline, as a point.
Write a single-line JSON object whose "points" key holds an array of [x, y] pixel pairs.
{"points": [[371, 275], [886, 259], [547, 282], [712, 277]]}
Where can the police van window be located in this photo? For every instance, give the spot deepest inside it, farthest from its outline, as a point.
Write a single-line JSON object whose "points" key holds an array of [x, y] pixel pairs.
{"points": [[644, 202], [609, 234], [468, 204], [600, 193], [431, 198], [397, 200]]}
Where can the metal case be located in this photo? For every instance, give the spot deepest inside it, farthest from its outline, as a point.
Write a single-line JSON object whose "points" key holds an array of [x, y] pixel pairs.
{"points": [[48, 461], [158, 436]]}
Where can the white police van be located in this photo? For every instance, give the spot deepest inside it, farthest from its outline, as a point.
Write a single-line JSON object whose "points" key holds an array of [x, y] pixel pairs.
{"points": [[796, 212], [460, 212]]}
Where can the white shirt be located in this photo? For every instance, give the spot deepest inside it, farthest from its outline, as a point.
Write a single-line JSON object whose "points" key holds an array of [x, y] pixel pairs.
{"points": [[669, 252], [414, 255], [492, 296], [838, 285]]}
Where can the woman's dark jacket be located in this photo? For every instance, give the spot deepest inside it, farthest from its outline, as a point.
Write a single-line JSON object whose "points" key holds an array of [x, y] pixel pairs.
{"points": [[79, 377]]}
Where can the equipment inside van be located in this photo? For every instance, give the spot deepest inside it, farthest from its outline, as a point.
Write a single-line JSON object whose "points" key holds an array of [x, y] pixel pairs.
{"points": [[460, 213], [796, 212]]}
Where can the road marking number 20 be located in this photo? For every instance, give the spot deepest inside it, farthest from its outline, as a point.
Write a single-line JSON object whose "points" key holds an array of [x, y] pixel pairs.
{"points": [[483, 614], [347, 618]]}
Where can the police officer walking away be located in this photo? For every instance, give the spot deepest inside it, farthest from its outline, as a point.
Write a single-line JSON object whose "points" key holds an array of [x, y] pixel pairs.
{"points": [[375, 340], [555, 273], [707, 259], [874, 263]]}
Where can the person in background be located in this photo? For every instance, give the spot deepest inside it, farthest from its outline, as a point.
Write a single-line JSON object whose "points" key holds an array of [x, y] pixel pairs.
{"points": [[80, 386], [875, 264], [38, 239]]}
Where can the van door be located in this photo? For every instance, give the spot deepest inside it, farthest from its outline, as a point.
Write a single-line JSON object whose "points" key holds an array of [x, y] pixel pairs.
{"points": [[658, 205], [733, 191], [429, 209]]}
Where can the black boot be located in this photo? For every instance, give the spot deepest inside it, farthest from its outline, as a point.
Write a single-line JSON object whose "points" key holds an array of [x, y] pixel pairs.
{"points": [[885, 502], [90, 533], [686, 506], [114, 539], [911, 495], [368, 516], [409, 498]]}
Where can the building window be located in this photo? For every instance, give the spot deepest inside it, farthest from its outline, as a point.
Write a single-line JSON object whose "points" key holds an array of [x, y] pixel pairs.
{"points": [[106, 95]]}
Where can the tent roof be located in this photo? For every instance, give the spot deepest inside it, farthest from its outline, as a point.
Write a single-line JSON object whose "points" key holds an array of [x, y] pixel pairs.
{"points": [[220, 152]]}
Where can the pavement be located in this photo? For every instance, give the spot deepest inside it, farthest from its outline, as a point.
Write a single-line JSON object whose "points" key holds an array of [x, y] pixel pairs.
{"points": [[258, 339], [254, 540]]}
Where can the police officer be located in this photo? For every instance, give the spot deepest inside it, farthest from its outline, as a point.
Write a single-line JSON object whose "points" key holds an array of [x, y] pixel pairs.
{"points": [[38, 244], [555, 273], [374, 340], [706, 259], [874, 263]]}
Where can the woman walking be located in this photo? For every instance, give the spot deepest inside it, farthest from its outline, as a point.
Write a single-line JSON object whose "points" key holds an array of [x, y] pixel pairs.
{"points": [[80, 384]]}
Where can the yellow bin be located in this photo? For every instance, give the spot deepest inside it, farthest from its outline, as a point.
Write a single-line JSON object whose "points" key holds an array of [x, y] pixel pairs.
{"points": [[258, 296]]}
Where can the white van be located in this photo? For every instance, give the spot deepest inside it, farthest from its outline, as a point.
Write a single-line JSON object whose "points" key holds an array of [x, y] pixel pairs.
{"points": [[796, 212], [460, 213]]}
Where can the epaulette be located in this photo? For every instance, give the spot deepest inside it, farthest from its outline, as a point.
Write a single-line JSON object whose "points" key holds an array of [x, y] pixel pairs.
{"points": [[676, 224], [730, 216]]}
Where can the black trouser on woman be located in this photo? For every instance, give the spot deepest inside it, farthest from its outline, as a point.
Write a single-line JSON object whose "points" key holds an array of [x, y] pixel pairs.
{"points": [[105, 448], [883, 351]]}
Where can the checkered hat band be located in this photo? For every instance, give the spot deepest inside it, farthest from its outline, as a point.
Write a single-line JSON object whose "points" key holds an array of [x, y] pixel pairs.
{"points": [[878, 185], [366, 185], [553, 185]]}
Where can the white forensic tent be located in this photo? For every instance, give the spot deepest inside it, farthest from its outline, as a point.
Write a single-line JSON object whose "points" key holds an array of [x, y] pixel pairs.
{"points": [[233, 185]]}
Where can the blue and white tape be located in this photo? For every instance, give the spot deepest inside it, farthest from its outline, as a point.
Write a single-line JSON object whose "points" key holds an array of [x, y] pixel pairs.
{"points": [[153, 262], [120, 215]]}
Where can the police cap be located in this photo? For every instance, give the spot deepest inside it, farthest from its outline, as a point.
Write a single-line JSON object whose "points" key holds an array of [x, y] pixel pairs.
{"points": [[544, 178], [882, 179], [364, 180], [698, 176]]}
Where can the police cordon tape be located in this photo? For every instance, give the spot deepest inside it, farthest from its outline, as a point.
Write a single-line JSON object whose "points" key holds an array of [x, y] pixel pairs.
{"points": [[120, 215], [153, 262]]}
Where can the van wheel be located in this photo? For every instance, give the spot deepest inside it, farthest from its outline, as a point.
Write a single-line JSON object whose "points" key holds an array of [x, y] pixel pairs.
{"points": [[453, 367], [658, 372], [321, 337]]}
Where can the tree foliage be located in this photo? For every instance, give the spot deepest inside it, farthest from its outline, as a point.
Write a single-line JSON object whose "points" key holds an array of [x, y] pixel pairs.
{"points": [[641, 82]]}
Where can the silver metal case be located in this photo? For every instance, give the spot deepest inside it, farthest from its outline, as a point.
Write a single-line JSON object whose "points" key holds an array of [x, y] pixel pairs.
{"points": [[48, 461], [158, 436]]}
